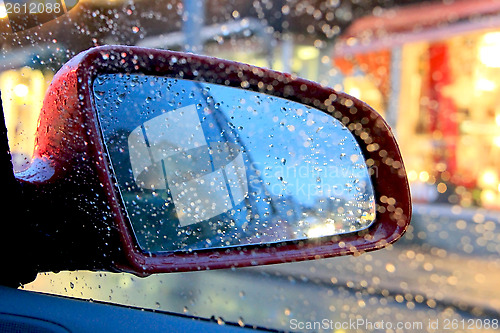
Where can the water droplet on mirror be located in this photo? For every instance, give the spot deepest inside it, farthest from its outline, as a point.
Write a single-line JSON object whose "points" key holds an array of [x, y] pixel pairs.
{"points": [[99, 94]]}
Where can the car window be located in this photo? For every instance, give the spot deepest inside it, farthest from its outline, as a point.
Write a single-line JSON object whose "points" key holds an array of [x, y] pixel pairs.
{"points": [[430, 68]]}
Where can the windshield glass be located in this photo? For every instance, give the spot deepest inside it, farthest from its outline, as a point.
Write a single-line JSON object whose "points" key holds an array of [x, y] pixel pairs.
{"points": [[431, 69]]}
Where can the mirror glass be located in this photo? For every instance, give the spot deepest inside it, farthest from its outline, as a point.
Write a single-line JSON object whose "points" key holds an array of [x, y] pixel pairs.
{"points": [[201, 165]]}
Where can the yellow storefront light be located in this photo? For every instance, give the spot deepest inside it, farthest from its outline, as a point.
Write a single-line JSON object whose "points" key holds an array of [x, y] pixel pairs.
{"points": [[496, 141], [489, 178], [488, 197], [489, 49], [21, 90], [412, 175], [423, 176], [307, 52], [3, 11], [483, 84], [355, 92]]}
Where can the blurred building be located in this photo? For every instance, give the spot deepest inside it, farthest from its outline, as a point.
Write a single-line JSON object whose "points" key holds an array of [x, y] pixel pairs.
{"points": [[433, 71], [430, 68]]}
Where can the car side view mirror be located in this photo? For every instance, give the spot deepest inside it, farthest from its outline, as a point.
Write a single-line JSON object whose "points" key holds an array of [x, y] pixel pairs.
{"points": [[151, 161]]}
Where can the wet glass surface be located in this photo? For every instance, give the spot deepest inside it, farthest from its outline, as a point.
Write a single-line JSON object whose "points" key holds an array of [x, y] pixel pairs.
{"points": [[202, 165]]}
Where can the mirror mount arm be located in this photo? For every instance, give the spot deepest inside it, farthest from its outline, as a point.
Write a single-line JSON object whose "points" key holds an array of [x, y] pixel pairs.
{"points": [[65, 229]]}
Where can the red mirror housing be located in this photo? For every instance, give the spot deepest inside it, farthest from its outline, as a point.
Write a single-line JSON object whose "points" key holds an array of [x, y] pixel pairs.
{"points": [[72, 182]]}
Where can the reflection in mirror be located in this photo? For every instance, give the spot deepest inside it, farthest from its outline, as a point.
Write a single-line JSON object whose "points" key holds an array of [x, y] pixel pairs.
{"points": [[201, 165]]}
